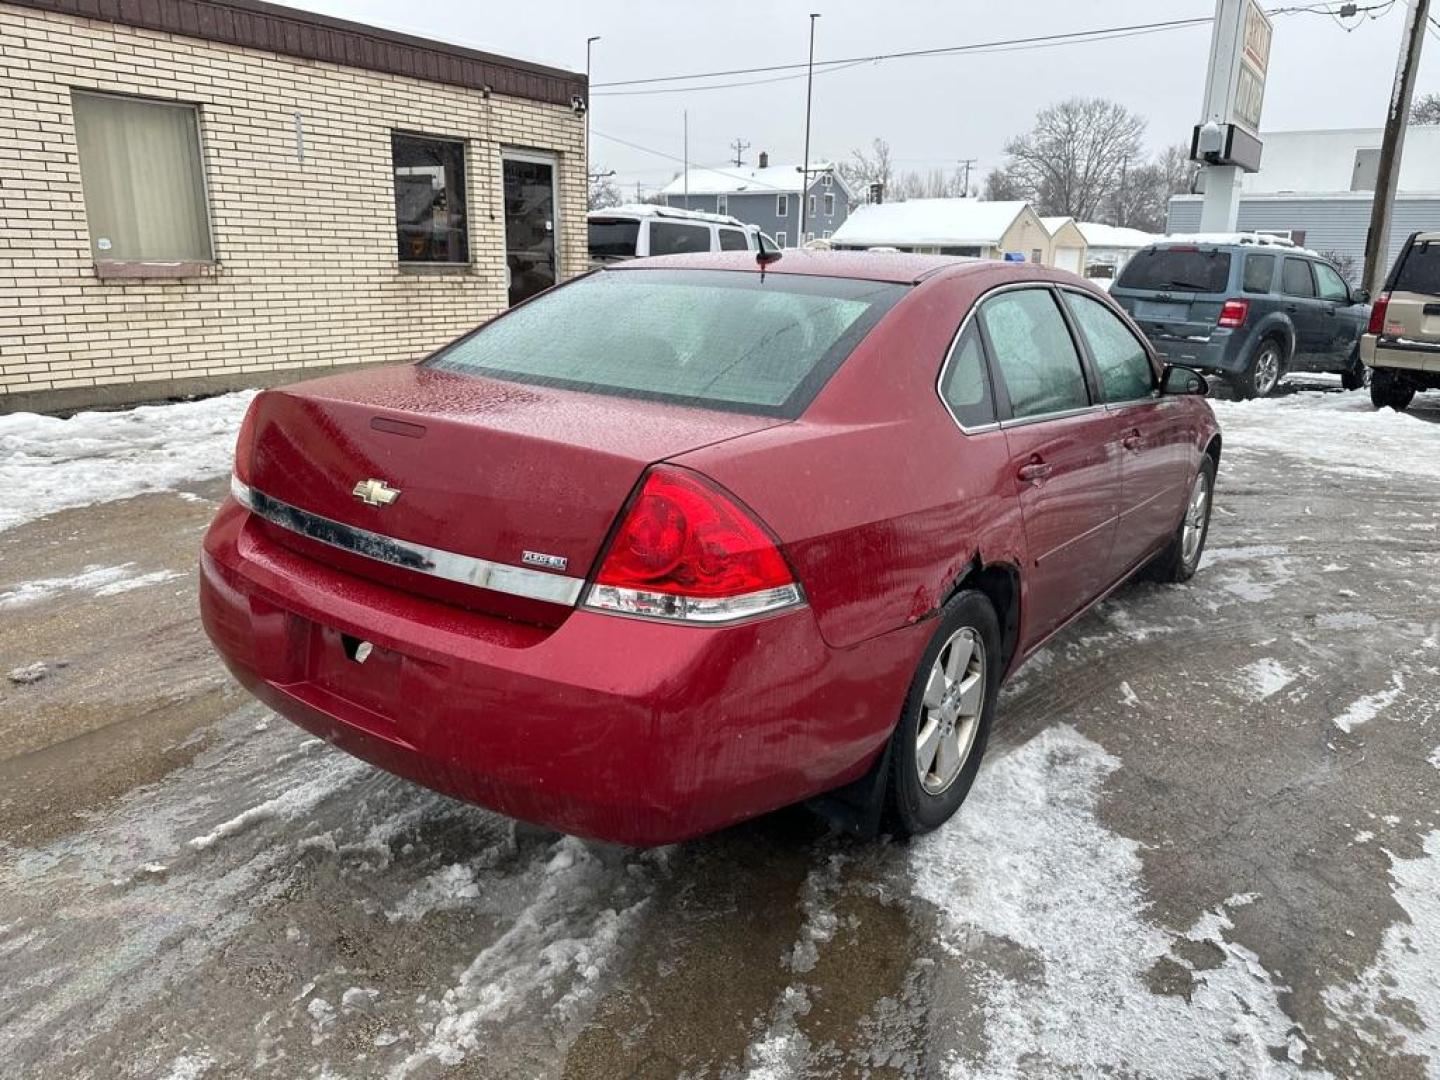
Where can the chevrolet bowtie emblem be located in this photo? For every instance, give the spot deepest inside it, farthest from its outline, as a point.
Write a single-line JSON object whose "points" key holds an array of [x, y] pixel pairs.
{"points": [[374, 492]]}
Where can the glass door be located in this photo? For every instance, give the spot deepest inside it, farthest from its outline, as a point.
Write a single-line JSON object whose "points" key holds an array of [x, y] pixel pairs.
{"points": [[529, 224]]}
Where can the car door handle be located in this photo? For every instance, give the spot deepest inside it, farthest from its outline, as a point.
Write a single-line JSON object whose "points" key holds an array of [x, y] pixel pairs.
{"points": [[1132, 441], [1033, 472], [1292, 308]]}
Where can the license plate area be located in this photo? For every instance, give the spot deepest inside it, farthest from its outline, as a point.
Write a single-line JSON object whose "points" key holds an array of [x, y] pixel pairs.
{"points": [[1155, 309], [355, 670]]}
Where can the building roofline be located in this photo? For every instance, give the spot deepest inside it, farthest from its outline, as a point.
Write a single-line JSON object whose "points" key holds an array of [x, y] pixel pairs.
{"points": [[254, 24]]}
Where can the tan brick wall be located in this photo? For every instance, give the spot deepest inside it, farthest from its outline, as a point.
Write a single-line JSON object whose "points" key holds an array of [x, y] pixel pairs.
{"points": [[307, 274]]}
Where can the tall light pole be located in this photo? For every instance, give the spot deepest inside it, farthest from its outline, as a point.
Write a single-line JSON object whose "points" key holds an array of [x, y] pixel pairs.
{"points": [[589, 41], [805, 168]]}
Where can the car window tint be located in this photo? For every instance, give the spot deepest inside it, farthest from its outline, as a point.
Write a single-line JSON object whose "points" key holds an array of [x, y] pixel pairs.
{"points": [[613, 238], [1033, 353], [1419, 270], [1177, 269], [732, 240], [672, 238], [966, 386], [1296, 279], [1124, 367], [1259, 273], [1331, 284], [702, 337]]}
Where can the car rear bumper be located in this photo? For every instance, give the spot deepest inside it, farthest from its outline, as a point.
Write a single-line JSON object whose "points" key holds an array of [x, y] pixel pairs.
{"points": [[1420, 357], [1219, 350], [624, 729]]}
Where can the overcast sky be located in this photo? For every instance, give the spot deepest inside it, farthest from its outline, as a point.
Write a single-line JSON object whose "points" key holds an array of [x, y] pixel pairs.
{"points": [[933, 111]]}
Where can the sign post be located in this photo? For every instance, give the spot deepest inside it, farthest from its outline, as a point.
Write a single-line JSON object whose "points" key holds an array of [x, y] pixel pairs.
{"points": [[1227, 140]]}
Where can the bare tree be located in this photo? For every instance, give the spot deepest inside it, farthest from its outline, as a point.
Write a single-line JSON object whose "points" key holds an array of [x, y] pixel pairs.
{"points": [[868, 167], [1425, 109], [1070, 162], [1348, 265], [1002, 185], [603, 191], [1179, 170]]}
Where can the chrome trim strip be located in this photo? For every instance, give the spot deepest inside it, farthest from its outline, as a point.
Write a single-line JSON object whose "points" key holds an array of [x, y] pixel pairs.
{"points": [[464, 569]]}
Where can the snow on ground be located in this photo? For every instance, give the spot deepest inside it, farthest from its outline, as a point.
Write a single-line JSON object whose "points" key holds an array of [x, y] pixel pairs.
{"points": [[1364, 709], [49, 464], [95, 579], [1028, 867], [1354, 437], [1398, 997]]}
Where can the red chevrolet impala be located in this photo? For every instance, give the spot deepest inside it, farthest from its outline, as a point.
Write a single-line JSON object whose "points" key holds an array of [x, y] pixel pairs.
{"points": [[690, 539]]}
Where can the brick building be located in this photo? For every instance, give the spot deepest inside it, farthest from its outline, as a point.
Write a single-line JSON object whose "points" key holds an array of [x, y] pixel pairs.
{"points": [[199, 195]]}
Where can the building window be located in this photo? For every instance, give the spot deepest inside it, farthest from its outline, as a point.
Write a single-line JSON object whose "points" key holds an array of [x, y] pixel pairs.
{"points": [[782, 208], [812, 206], [141, 173], [827, 234], [826, 180], [1037, 255], [430, 199], [829, 204], [722, 204], [809, 236], [780, 238]]}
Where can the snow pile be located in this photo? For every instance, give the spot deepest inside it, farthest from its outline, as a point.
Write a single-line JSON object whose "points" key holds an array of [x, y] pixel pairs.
{"points": [[1395, 1003], [1265, 677], [49, 464], [1028, 863], [1348, 435], [1364, 709]]}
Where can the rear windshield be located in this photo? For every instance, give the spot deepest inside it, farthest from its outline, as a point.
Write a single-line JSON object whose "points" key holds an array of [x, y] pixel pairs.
{"points": [[1419, 270], [719, 339], [1177, 270], [614, 239]]}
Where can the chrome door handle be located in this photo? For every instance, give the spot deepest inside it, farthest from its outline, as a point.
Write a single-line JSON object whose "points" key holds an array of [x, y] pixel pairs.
{"points": [[1033, 472], [1132, 441]]}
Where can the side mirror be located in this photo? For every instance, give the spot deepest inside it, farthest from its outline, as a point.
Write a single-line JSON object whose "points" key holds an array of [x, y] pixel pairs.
{"points": [[1182, 381], [1360, 296], [767, 252]]}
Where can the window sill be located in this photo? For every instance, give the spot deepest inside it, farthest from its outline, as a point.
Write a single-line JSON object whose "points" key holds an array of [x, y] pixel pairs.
{"points": [[139, 269], [426, 269]]}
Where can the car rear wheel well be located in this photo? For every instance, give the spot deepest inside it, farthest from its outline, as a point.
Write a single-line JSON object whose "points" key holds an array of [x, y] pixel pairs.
{"points": [[1213, 449], [1000, 584]]}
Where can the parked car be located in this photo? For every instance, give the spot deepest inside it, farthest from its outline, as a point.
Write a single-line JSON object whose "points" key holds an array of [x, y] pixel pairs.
{"points": [[634, 232], [1402, 344], [690, 539], [1249, 307]]}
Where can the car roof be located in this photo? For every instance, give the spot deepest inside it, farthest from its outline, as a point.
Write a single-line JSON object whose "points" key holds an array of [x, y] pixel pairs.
{"points": [[897, 267]]}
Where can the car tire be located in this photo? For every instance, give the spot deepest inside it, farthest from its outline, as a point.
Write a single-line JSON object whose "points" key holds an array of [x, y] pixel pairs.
{"points": [[1357, 375], [926, 785], [1263, 370], [1181, 556], [1386, 388]]}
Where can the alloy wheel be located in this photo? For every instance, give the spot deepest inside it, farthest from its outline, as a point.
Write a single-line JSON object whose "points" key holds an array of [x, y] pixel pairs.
{"points": [[1196, 514], [950, 711], [1267, 370]]}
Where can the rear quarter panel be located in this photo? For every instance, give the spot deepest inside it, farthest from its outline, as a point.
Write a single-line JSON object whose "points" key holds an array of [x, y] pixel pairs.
{"points": [[880, 500]]}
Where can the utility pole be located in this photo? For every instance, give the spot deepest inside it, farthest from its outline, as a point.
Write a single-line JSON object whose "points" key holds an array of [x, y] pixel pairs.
{"points": [[588, 42], [1377, 243], [739, 147], [965, 164], [805, 168], [685, 152]]}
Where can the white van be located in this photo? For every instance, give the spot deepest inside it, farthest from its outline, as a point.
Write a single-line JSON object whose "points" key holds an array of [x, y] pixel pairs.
{"points": [[632, 232]]}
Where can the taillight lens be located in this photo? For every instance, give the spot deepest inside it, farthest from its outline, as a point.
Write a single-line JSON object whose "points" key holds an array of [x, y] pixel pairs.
{"points": [[245, 443], [686, 550], [1377, 314], [1233, 313]]}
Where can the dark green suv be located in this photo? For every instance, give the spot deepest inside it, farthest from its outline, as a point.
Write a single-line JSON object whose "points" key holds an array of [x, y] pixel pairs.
{"points": [[1248, 308]]}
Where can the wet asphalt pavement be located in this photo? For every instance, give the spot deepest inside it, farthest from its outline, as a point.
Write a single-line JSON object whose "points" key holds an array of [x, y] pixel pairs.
{"points": [[1206, 842]]}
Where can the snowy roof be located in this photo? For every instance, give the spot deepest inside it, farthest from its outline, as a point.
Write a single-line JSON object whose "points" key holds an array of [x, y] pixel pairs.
{"points": [[745, 179], [931, 222], [1113, 236], [1054, 224], [1324, 161], [651, 210]]}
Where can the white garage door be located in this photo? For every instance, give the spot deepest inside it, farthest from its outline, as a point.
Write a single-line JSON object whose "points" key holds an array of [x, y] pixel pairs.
{"points": [[1068, 258]]}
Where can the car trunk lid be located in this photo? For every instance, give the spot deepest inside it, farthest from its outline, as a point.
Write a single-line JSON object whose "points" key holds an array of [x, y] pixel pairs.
{"points": [[1175, 293], [481, 469]]}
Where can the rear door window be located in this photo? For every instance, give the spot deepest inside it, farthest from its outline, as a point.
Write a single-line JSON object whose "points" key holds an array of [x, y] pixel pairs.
{"points": [[673, 238], [1296, 279], [966, 385], [1419, 270], [1033, 352], [1259, 273], [710, 338], [1331, 284], [733, 240], [1178, 269], [614, 238], [1120, 359]]}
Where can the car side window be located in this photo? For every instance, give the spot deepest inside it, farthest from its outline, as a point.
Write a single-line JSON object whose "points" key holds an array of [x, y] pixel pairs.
{"points": [[1034, 353], [672, 238], [1332, 285], [1296, 279], [1123, 363], [732, 240], [1259, 273], [966, 385]]}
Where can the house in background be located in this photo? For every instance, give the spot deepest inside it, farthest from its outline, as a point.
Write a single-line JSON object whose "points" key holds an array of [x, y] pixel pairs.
{"points": [[982, 230], [1067, 244], [1316, 188], [767, 196], [1109, 247], [214, 194]]}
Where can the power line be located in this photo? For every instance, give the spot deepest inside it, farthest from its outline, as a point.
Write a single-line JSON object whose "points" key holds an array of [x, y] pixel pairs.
{"points": [[1041, 39]]}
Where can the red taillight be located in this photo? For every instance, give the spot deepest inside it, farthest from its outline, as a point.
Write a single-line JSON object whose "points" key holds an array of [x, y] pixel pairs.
{"points": [[1233, 313], [1377, 314], [245, 443], [687, 550]]}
